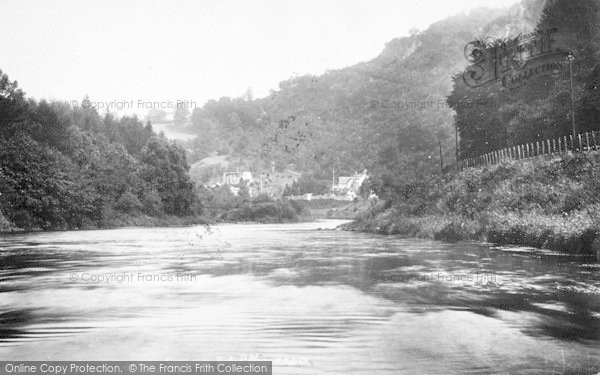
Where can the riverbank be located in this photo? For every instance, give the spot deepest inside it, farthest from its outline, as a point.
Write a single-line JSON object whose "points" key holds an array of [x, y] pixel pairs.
{"points": [[259, 211], [334, 209], [551, 202], [256, 210], [118, 221]]}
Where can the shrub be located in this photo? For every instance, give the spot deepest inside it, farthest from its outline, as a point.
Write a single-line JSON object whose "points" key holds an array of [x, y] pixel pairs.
{"points": [[128, 203]]}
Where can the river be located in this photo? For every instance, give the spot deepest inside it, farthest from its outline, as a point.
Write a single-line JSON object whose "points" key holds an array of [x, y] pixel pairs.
{"points": [[313, 300]]}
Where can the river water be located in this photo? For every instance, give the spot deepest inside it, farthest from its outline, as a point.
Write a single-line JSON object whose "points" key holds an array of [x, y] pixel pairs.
{"points": [[313, 300]]}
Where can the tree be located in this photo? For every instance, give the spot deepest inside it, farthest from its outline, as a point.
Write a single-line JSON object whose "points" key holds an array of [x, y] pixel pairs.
{"points": [[165, 169], [181, 115], [13, 106], [156, 115]]}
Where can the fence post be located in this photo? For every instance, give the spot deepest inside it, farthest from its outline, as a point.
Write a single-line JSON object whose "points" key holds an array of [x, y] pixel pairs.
{"points": [[548, 142], [537, 148], [579, 139], [543, 148], [594, 139], [587, 140], [572, 142], [559, 146]]}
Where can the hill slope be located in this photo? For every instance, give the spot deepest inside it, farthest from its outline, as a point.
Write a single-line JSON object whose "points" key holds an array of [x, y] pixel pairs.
{"points": [[340, 120]]}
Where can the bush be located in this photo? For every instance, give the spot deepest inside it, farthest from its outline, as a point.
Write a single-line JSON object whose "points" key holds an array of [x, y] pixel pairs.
{"points": [[128, 203], [549, 203], [152, 204]]}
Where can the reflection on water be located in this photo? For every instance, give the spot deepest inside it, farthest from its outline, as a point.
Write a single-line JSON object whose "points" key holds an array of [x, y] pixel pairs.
{"points": [[314, 301]]}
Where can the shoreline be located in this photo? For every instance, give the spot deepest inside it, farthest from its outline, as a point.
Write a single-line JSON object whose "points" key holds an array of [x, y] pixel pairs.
{"points": [[355, 226], [549, 203], [187, 222]]}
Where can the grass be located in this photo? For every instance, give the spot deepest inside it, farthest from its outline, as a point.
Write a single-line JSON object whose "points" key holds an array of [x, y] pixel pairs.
{"points": [[551, 202]]}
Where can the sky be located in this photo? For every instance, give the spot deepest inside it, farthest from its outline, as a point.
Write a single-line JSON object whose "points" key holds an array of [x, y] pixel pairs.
{"points": [[194, 50]]}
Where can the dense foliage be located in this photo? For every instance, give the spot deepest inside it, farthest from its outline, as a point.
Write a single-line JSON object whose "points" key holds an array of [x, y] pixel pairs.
{"points": [[540, 109], [550, 202], [387, 115], [64, 167], [221, 205], [393, 115]]}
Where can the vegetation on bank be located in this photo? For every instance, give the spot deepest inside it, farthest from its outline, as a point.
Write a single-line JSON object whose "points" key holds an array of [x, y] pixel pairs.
{"points": [[64, 166], [550, 202], [336, 209], [223, 206]]}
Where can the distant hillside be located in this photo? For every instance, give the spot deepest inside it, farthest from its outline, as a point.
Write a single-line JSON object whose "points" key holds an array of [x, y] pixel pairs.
{"points": [[340, 120]]}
